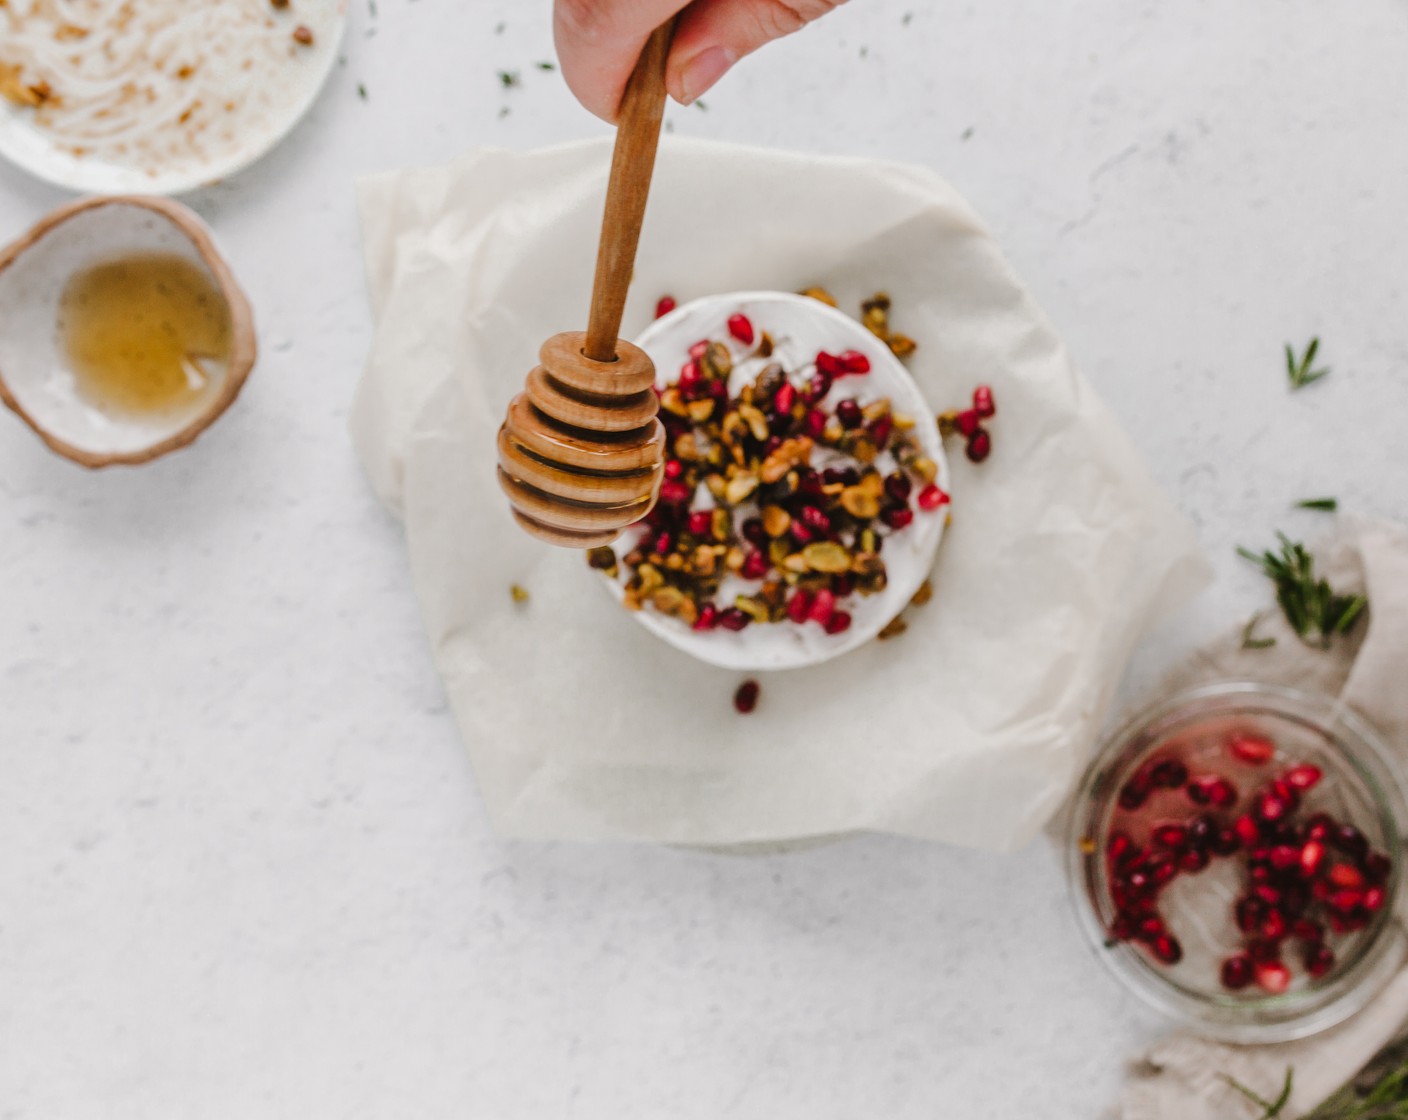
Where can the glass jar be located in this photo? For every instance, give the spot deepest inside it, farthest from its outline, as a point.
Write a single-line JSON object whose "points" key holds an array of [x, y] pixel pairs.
{"points": [[1153, 836]]}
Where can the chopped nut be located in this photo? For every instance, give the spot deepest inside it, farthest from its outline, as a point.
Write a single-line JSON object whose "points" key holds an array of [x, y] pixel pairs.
{"points": [[717, 362], [876, 409], [720, 523], [926, 469], [667, 600], [740, 487], [796, 563], [791, 453], [602, 559], [756, 421], [686, 447], [303, 35], [827, 556], [776, 520], [518, 594], [280, 4], [893, 629], [901, 345], [716, 484], [700, 410], [904, 422], [733, 559], [923, 595], [859, 503], [821, 295], [765, 346], [672, 402], [750, 606]]}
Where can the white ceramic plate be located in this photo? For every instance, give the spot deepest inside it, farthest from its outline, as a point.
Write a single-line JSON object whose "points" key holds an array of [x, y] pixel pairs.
{"points": [[33, 149], [800, 328]]}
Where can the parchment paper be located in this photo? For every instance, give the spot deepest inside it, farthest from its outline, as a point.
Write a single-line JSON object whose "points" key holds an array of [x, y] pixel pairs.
{"points": [[969, 728]]}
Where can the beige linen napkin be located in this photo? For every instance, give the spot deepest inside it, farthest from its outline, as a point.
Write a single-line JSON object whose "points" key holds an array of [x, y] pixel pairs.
{"points": [[1182, 1078], [581, 725]]}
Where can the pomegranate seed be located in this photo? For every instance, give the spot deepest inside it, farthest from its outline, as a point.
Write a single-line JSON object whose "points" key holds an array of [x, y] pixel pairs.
{"points": [[719, 391], [746, 698], [708, 617], [1319, 827], [734, 619], [1272, 807], [1295, 898], [1122, 928], [1252, 749], [932, 497], [1345, 901], [1167, 949], [1320, 890], [1171, 836], [848, 412], [823, 606], [1273, 976], [847, 476], [1249, 912], [815, 424], [897, 518], [1284, 857], [754, 533], [799, 606], [1163, 870], [1304, 777], [830, 365], [1226, 842], [1377, 867], [1140, 882], [665, 306], [1345, 875], [1268, 894], [1286, 792], [741, 327], [813, 518], [1117, 847], [1306, 930], [1199, 791], [785, 398], [700, 523], [1168, 774], [1193, 860], [1223, 793], [1350, 841], [843, 584], [800, 533], [673, 468], [1259, 949], [674, 493], [983, 403], [853, 361], [1318, 960], [755, 566], [690, 375], [838, 623], [664, 544], [881, 430], [1247, 831], [1310, 857], [1237, 972], [967, 422], [699, 349], [1134, 793], [817, 388], [1374, 899], [979, 447], [1274, 927]]}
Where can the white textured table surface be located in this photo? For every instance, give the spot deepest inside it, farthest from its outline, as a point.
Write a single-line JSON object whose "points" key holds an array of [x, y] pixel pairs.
{"points": [[243, 869]]}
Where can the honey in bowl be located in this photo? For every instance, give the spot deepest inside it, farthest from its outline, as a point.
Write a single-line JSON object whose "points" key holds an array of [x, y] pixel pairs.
{"points": [[145, 336]]}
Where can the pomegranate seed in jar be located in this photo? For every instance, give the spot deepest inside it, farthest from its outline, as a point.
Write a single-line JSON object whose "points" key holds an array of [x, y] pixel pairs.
{"points": [[746, 698], [1311, 856], [1377, 867], [1274, 926], [1303, 929], [1252, 749], [665, 306], [1303, 777], [1167, 949], [1237, 972], [1170, 836], [1345, 875], [1249, 912], [983, 403], [1247, 830], [1135, 792], [1350, 840], [1168, 774], [1193, 860], [1374, 899], [1273, 977], [741, 327], [979, 447], [1318, 960]]}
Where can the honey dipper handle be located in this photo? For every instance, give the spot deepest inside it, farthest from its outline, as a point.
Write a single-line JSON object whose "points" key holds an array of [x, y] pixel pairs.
{"points": [[637, 137]]}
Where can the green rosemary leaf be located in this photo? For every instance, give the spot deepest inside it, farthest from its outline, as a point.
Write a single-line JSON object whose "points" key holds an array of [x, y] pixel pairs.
{"points": [[1271, 1109], [1249, 639], [1312, 608], [1325, 505], [1301, 372], [1353, 608], [547, 66]]}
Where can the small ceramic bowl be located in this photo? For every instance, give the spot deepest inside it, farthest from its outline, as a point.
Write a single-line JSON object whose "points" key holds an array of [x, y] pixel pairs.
{"points": [[801, 327], [34, 380]]}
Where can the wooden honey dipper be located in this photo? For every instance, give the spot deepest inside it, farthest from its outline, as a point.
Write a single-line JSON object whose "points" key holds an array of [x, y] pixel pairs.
{"points": [[581, 452]]}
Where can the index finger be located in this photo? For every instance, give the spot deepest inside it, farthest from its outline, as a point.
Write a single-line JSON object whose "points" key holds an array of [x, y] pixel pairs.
{"points": [[599, 41]]}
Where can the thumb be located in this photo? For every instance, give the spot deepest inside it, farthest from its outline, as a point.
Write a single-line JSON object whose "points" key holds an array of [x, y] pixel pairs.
{"points": [[714, 34]]}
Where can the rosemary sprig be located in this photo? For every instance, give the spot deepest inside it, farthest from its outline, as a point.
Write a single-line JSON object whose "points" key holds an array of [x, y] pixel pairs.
{"points": [[1325, 505], [1387, 1099], [1272, 1108], [1300, 370], [1249, 638], [1313, 609]]}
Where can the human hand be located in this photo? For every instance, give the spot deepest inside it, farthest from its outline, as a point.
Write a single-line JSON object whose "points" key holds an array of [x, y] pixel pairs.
{"points": [[599, 41]]}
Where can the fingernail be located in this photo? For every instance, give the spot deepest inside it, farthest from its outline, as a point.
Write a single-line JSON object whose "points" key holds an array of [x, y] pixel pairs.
{"points": [[703, 71]]}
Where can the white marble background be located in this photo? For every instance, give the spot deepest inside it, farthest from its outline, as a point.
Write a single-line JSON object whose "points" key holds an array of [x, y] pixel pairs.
{"points": [[243, 870]]}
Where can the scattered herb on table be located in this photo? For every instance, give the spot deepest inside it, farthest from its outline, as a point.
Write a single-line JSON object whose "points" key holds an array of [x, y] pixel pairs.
{"points": [[547, 65], [362, 91], [1385, 1098], [1249, 638], [1272, 1108], [509, 79], [1301, 370], [1325, 505], [1313, 609]]}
